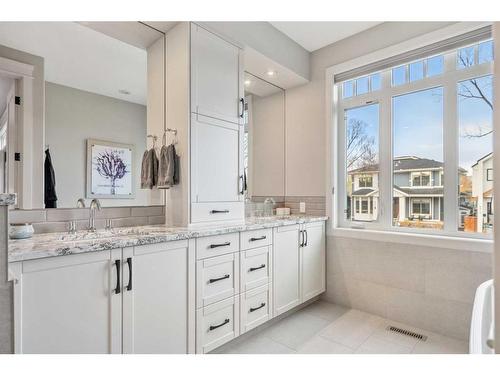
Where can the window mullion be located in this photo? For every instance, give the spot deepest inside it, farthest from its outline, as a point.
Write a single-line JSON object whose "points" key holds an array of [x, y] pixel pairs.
{"points": [[385, 162], [450, 141]]}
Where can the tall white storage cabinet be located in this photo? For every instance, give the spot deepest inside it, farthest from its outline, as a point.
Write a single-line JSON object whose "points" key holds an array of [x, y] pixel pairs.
{"points": [[132, 300], [209, 119]]}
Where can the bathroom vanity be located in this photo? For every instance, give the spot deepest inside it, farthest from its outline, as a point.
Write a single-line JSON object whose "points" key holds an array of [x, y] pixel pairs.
{"points": [[161, 290]]}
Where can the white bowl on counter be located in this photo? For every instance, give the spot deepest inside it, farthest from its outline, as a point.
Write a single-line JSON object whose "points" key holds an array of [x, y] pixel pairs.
{"points": [[21, 231]]}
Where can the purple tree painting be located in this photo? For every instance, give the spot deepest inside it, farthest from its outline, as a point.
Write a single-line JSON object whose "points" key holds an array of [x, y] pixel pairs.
{"points": [[110, 165]]}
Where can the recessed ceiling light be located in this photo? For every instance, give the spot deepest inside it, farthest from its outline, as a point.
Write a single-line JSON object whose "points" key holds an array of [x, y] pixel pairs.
{"points": [[271, 73], [247, 82], [124, 92]]}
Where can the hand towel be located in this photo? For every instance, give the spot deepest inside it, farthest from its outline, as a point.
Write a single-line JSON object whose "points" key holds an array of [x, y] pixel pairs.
{"points": [[149, 169], [167, 167], [50, 196]]}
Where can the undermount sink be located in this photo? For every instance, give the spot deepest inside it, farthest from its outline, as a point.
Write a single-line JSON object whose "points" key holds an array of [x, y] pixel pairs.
{"points": [[86, 235]]}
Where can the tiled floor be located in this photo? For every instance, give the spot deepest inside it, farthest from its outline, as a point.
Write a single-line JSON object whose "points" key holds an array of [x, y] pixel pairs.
{"points": [[325, 328]]}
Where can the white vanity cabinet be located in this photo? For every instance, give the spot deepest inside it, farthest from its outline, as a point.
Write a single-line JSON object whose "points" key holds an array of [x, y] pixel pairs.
{"points": [[68, 304], [298, 264], [312, 256], [132, 300], [158, 298], [216, 76], [286, 268]]}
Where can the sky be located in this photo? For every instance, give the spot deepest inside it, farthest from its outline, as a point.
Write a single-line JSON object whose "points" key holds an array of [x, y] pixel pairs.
{"points": [[418, 124]]}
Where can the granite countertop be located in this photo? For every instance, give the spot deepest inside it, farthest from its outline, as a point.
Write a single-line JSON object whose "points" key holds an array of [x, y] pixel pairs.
{"points": [[59, 244]]}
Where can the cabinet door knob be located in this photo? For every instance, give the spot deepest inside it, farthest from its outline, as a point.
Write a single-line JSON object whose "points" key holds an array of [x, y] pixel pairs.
{"points": [[218, 279], [211, 328]]}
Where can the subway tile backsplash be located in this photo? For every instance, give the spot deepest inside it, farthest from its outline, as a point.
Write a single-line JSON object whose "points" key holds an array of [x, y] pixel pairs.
{"points": [[56, 220], [315, 205]]}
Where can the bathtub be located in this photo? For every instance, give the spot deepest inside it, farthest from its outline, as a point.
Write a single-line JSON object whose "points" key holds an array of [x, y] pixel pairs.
{"points": [[482, 327]]}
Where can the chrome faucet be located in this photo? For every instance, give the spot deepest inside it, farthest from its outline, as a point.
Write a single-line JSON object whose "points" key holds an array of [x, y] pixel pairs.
{"points": [[94, 205], [80, 203]]}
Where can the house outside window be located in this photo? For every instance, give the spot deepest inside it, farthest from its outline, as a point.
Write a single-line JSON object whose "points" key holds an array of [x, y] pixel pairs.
{"points": [[384, 121]]}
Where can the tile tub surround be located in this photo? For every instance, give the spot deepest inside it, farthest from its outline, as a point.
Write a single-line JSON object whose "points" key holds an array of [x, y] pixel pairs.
{"points": [[56, 219], [59, 244], [427, 287]]}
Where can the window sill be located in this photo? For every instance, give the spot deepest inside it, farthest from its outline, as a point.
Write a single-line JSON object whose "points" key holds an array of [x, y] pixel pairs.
{"points": [[431, 240]]}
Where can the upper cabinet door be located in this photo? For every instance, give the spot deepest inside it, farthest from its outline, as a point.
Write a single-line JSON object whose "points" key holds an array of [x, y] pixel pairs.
{"points": [[70, 304], [216, 76], [215, 160]]}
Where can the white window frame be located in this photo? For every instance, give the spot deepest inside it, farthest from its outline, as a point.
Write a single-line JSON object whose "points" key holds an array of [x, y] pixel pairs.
{"points": [[421, 173], [383, 229], [365, 176], [431, 209]]}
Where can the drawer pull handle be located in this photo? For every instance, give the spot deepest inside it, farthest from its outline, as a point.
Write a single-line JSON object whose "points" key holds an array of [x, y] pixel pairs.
{"points": [[258, 238], [213, 246], [118, 282], [256, 268], [218, 279], [211, 328], [219, 211], [252, 309]]}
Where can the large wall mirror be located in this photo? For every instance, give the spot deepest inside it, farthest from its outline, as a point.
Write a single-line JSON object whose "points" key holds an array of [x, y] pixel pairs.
{"points": [[91, 87], [264, 147]]}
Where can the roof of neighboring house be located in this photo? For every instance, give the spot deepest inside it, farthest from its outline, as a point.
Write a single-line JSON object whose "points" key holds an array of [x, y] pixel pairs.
{"points": [[487, 156], [404, 163], [421, 191], [363, 192]]}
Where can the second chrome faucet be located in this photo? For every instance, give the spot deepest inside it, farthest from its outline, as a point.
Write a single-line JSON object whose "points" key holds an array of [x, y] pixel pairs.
{"points": [[95, 205]]}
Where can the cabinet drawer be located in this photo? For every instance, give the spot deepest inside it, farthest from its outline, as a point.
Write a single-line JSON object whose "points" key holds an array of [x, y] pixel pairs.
{"points": [[217, 245], [256, 238], [255, 267], [217, 324], [217, 278], [255, 307], [213, 212]]}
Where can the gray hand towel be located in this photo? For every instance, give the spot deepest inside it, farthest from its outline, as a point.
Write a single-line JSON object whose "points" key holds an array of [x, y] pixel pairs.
{"points": [[166, 167], [149, 169]]}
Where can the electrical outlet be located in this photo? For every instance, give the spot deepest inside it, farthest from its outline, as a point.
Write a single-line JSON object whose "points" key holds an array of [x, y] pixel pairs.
{"points": [[302, 207]]}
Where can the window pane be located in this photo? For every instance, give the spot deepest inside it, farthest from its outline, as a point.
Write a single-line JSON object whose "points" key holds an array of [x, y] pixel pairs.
{"points": [[348, 89], [465, 57], [435, 66], [362, 141], [475, 111], [416, 71], [361, 85], [417, 145], [399, 75], [376, 81], [485, 52]]}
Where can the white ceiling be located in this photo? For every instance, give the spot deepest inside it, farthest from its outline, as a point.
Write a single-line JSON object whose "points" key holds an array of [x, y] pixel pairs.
{"points": [[80, 57], [256, 86], [315, 35]]}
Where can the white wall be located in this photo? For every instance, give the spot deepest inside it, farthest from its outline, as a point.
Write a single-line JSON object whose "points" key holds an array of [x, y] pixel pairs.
{"points": [[71, 117]]}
